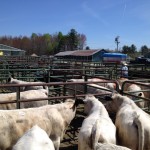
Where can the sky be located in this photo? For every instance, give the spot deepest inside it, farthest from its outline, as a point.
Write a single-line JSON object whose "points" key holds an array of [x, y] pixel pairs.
{"points": [[100, 20]]}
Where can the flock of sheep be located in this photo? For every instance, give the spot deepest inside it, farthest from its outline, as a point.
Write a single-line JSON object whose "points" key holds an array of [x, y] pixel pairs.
{"points": [[41, 126]]}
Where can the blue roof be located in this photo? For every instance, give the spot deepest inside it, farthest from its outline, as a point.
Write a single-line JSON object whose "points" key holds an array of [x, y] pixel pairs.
{"points": [[114, 54]]}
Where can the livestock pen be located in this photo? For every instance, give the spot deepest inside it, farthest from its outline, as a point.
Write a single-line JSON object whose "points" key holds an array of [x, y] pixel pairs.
{"points": [[70, 139], [105, 69], [56, 75]]}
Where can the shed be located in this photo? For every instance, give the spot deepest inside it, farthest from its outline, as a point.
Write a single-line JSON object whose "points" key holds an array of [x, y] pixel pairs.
{"points": [[34, 55], [82, 55], [10, 51]]}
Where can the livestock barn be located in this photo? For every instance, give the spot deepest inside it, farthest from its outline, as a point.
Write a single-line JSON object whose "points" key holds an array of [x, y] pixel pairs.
{"points": [[10, 51], [82, 55]]}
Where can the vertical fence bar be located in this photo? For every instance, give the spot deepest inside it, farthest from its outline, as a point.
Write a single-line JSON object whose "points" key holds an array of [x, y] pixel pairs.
{"points": [[85, 85], [18, 97]]}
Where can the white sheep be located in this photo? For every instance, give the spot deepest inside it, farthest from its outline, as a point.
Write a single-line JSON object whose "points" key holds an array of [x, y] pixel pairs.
{"points": [[24, 88], [96, 145], [132, 123], [106, 130], [54, 119], [34, 139], [25, 95]]}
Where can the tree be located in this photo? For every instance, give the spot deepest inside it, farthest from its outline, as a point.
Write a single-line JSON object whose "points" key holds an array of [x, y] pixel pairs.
{"points": [[46, 43], [18, 42], [87, 48], [61, 42], [73, 39], [144, 50], [125, 49], [33, 39], [43, 44], [25, 43], [132, 49], [129, 50], [81, 41]]}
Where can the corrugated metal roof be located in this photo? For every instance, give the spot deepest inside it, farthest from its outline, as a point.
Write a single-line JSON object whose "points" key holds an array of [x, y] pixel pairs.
{"points": [[78, 53], [84, 52], [65, 53], [9, 48]]}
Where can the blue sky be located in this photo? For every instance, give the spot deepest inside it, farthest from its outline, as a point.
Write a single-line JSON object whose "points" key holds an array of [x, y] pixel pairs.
{"points": [[100, 20]]}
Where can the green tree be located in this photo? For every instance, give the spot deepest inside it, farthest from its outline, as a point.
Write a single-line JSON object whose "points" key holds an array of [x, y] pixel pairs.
{"points": [[43, 44], [33, 39], [46, 43], [132, 49], [87, 48], [129, 49], [125, 49], [144, 50], [61, 42], [73, 39]]}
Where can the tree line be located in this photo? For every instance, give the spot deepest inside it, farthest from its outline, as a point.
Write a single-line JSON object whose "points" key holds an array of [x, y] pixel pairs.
{"points": [[46, 44], [50, 44], [132, 50]]}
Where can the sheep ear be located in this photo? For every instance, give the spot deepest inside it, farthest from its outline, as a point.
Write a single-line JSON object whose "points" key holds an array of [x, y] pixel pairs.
{"points": [[9, 79], [114, 92], [84, 100], [110, 97], [77, 102]]}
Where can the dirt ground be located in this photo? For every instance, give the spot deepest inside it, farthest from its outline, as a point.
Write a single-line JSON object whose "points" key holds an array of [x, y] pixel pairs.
{"points": [[70, 140]]}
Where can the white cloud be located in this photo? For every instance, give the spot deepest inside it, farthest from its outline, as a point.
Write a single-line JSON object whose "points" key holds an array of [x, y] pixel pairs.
{"points": [[92, 13]]}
